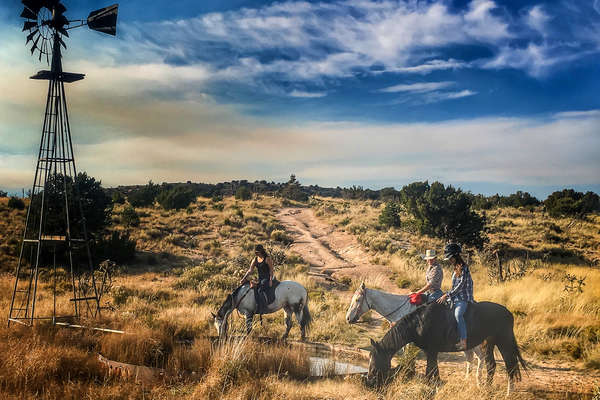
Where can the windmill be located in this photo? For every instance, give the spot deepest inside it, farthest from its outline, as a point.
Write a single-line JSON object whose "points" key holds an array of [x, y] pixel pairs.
{"points": [[55, 249]]}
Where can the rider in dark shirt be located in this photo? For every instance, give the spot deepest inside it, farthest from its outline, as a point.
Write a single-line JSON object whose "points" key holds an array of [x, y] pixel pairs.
{"points": [[263, 264]]}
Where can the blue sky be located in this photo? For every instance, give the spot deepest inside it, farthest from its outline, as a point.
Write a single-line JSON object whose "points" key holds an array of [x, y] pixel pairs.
{"points": [[491, 96]]}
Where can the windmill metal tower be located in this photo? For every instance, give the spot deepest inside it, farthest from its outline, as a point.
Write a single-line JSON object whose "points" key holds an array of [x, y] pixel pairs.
{"points": [[55, 241]]}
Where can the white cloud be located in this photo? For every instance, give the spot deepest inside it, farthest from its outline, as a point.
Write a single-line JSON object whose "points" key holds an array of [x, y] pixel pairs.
{"points": [[419, 87], [299, 93], [435, 97], [537, 19], [433, 65]]}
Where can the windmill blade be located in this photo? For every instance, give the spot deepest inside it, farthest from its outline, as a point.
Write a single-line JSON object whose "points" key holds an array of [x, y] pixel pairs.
{"points": [[104, 20], [28, 25], [62, 43], [33, 5], [63, 31], [27, 13], [31, 35], [35, 44]]}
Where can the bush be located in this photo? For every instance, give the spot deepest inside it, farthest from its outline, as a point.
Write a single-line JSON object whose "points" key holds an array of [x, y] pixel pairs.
{"points": [[390, 215], [3, 193], [444, 212], [96, 204], [129, 217], [117, 247], [293, 190], [145, 196], [569, 203], [281, 236], [176, 198], [16, 203], [118, 198], [243, 193]]}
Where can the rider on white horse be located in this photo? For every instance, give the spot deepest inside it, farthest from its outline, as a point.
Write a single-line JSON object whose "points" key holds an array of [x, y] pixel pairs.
{"points": [[263, 264], [433, 278]]}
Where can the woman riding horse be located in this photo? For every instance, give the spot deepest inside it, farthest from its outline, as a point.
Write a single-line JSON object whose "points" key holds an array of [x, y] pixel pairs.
{"points": [[433, 278], [461, 293], [262, 262]]}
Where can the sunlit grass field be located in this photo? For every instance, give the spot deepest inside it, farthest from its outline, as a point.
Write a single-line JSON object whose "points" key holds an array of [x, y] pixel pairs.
{"points": [[188, 260]]}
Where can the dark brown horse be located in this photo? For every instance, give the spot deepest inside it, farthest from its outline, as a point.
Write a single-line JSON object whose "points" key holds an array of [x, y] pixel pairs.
{"points": [[433, 329]]}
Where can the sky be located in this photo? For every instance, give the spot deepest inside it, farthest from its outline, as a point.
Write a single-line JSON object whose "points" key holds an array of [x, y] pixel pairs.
{"points": [[489, 96]]}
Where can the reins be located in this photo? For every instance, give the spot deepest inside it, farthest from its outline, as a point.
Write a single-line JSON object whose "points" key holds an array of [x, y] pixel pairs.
{"points": [[383, 316], [235, 307]]}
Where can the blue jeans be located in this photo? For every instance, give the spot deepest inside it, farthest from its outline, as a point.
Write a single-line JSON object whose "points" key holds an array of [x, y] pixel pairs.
{"points": [[434, 295], [460, 307]]}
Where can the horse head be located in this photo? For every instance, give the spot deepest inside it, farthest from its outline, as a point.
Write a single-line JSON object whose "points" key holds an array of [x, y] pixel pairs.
{"points": [[358, 305], [220, 319], [380, 364]]}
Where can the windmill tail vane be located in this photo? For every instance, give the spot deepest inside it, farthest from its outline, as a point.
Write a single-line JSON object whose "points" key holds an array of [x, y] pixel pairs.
{"points": [[56, 242]]}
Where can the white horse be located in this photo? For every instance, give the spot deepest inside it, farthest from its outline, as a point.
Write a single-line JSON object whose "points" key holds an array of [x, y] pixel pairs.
{"points": [[289, 295], [392, 307]]}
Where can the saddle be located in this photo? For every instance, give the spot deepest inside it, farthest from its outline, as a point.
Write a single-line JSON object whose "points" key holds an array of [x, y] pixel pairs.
{"points": [[452, 325]]}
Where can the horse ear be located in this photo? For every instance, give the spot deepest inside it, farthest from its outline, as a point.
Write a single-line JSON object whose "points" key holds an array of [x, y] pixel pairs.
{"points": [[374, 344]]}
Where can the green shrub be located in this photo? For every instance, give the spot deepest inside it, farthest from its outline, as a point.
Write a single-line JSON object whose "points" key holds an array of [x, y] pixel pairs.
{"points": [[243, 193], [145, 196], [293, 190], [129, 217], [16, 203], [117, 247], [569, 203], [118, 198], [280, 236], [444, 212], [390, 215], [176, 198]]}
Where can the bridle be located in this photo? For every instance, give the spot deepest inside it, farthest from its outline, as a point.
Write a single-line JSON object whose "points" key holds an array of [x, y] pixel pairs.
{"points": [[364, 299]]}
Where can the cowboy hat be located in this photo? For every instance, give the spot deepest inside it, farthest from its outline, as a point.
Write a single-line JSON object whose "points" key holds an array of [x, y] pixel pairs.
{"points": [[429, 255]]}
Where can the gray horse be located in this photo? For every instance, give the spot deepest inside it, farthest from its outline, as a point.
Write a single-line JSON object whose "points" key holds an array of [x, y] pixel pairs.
{"points": [[290, 296]]}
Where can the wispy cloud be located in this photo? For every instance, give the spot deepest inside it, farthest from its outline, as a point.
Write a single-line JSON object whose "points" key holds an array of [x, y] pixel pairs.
{"points": [[299, 93], [419, 87], [296, 41], [435, 97]]}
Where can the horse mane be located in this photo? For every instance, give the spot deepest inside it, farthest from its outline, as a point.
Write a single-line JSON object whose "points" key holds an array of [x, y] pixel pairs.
{"points": [[226, 306], [228, 303], [403, 331]]}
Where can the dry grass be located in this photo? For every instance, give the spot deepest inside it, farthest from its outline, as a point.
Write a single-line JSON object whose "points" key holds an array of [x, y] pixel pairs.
{"points": [[189, 260]]}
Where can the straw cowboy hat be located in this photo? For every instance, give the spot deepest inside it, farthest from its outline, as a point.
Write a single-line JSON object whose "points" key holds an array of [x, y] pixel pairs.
{"points": [[429, 255]]}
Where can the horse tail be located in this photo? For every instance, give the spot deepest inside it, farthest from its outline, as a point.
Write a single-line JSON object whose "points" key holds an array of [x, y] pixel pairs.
{"points": [[519, 359], [306, 320]]}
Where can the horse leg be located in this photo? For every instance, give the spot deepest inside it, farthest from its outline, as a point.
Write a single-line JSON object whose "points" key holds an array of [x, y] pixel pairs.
{"points": [[469, 360], [479, 355], [490, 361], [249, 320], [288, 322], [432, 372], [298, 311], [510, 360]]}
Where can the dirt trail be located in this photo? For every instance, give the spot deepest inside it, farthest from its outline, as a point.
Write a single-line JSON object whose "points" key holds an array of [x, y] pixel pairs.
{"points": [[335, 254], [331, 253]]}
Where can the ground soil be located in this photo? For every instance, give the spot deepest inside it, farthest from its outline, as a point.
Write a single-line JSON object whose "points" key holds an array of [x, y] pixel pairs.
{"points": [[333, 254]]}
